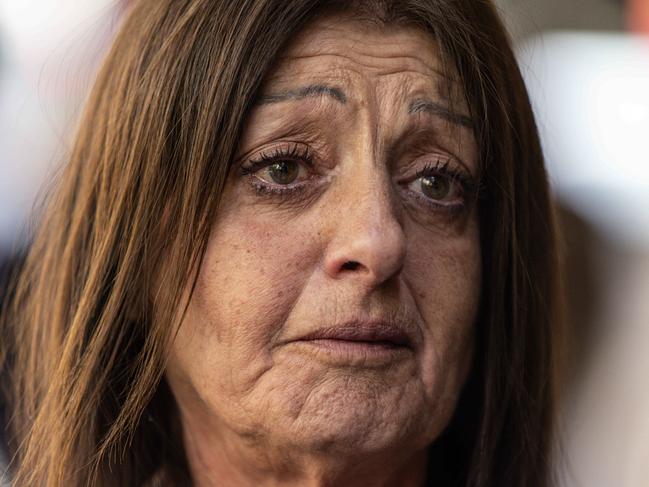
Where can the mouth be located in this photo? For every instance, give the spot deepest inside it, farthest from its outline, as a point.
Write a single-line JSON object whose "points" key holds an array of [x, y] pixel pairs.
{"points": [[357, 343], [362, 334]]}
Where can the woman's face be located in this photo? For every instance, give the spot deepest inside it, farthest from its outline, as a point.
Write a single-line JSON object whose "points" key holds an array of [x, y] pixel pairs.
{"points": [[335, 305]]}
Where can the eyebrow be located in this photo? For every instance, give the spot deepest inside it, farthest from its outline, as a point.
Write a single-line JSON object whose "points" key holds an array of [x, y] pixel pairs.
{"points": [[429, 106], [305, 92], [420, 105]]}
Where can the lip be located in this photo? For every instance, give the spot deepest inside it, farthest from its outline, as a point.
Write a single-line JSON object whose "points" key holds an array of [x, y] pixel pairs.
{"points": [[362, 332], [356, 343]]}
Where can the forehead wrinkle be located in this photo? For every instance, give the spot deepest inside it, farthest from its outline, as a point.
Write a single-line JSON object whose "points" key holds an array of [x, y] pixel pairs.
{"points": [[392, 101], [324, 40], [343, 84], [347, 62], [391, 98], [347, 67], [394, 37]]}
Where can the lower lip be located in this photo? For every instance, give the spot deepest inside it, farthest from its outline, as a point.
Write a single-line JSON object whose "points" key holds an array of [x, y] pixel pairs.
{"points": [[349, 352]]}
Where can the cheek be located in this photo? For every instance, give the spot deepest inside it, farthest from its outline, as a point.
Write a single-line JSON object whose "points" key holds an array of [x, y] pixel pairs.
{"points": [[445, 280], [250, 278]]}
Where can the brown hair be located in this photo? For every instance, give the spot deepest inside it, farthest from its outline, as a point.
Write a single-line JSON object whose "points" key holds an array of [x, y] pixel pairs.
{"points": [[83, 357]]}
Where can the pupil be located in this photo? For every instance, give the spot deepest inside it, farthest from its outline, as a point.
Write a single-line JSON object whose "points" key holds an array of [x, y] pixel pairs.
{"points": [[435, 187], [283, 172]]}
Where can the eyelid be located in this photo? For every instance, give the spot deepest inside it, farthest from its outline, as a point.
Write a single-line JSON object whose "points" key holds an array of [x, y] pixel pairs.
{"points": [[441, 163], [293, 151], [447, 167]]}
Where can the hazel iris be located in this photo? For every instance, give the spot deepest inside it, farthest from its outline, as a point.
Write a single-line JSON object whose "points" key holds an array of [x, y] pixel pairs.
{"points": [[284, 172], [436, 187]]}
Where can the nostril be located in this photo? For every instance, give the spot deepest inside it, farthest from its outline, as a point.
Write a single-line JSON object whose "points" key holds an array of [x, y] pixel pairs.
{"points": [[350, 266]]}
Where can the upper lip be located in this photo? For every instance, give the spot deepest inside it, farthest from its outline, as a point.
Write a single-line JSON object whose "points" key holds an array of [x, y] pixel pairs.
{"points": [[363, 331]]}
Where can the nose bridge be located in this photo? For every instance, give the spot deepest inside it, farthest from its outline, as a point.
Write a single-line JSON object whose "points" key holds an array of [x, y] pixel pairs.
{"points": [[368, 237], [371, 200], [370, 191]]}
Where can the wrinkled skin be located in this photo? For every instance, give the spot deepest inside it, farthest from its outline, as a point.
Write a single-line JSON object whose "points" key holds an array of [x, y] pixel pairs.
{"points": [[260, 407]]}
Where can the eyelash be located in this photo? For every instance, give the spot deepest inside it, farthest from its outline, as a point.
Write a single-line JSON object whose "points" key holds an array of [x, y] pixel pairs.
{"points": [[301, 154], [294, 153]]}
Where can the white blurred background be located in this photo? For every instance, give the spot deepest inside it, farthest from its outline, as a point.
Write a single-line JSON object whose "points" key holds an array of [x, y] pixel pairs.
{"points": [[586, 63], [49, 51]]}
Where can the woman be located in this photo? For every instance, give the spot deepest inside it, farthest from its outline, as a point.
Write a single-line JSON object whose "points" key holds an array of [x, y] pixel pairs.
{"points": [[297, 243]]}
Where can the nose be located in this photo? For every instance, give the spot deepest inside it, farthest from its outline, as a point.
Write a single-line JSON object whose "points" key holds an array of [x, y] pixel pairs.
{"points": [[368, 241]]}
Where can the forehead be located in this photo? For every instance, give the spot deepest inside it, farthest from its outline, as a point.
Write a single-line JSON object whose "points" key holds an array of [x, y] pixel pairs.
{"points": [[342, 51]]}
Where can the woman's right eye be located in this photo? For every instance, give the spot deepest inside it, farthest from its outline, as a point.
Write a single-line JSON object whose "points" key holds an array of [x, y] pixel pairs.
{"points": [[280, 167], [282, 172]]}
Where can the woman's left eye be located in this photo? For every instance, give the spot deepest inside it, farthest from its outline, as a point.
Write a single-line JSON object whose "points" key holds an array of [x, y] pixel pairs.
{"points": [[441, 188]]}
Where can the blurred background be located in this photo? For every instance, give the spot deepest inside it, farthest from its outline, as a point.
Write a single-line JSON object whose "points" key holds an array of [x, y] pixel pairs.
{"points": [[586, 64]]}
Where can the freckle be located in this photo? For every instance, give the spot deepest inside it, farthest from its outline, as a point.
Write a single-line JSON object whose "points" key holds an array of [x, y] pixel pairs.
{"points": [[422, 295]]}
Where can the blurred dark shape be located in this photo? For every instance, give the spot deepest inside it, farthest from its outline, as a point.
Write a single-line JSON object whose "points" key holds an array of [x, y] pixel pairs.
{"points": [[581, 288], [588, 256]]}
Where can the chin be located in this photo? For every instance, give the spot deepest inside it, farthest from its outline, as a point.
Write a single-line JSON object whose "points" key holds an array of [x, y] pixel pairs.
{"points": [[359, 420]]}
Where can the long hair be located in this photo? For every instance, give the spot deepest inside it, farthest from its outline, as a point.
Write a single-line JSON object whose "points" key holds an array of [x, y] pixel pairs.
{"points": [[87, 333]]}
